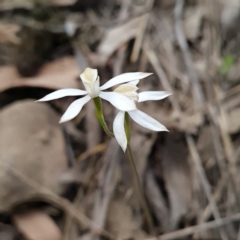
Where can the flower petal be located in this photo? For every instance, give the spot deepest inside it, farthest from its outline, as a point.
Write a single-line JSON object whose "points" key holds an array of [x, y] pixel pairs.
{"points": [[136, 82], [89, 75], [118, 100], [146, 121], [119, 131], [152, 95], [62, 93], [122, 78], [74, 109]]}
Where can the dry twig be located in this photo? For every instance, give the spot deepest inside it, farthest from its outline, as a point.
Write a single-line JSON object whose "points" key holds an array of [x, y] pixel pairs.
{"points": [[140, 35], [199, 228], [106, 188], [197, 91], [48, 196], [204, 181], [162, 76]]}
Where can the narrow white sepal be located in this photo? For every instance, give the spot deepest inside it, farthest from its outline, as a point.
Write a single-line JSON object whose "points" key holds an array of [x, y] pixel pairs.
{"points": [[152, 95], [118, 100], [119, 131], [146, 121], [136, 82], [74, 109], [62, 93], [123, 78]]}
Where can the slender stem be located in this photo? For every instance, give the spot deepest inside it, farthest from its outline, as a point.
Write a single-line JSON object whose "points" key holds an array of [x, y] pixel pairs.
{"points": [[100, 117], [127, 126], [136, 177], [140, 191]]}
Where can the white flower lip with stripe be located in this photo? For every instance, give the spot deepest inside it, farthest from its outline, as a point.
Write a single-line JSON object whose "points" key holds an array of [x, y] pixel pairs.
{"points": [[91, 82], [130, 91]]}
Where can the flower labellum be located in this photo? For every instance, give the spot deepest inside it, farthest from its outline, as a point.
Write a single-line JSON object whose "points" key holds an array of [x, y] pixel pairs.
{"points": [[91, 82], [128, 90]]}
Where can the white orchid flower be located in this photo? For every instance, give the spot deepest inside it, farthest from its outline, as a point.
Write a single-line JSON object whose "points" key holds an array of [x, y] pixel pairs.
{"points": [[130, 91], [91, 83]]}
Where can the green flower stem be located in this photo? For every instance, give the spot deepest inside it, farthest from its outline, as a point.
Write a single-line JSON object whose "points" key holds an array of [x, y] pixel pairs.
{"points": [[127, 127], [100, 117], [136, 178]]}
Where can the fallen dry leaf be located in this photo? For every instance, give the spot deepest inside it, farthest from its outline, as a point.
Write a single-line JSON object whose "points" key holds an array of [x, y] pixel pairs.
{"points": [[8, 33], [230, 15], [205, 144], [115, 38], [9, 5], [177, 177], [29, 4], [62, 2], [31, 144], [121, 222], [192, 22], [233, 121], [61, 73], [36, 225]]}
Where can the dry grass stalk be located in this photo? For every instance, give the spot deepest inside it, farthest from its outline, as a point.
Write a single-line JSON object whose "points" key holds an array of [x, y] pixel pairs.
{"points": [[204, 181], [50, 197], [162, 76], [197, 92], [106, 188], [199, 228], [141, 33]]}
